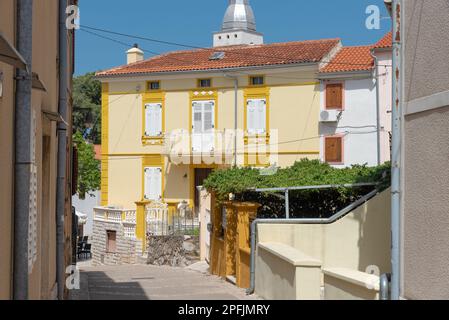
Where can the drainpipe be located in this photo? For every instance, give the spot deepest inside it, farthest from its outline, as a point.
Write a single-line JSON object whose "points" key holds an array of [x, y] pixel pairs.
{"points": [[376, 75], [62, 151], [236, 97], [396, 151], [330, 220], [23, 157]]}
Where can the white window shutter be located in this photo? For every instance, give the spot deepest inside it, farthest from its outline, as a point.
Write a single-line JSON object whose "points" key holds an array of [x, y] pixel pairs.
{"points": [[157, 184], [251, 117], [208, 115], [153, 183], [153, 119], [197, 117], [209, 125], [147, 183], [197, 126], [148, 115], [262, 116], [158, 119]]}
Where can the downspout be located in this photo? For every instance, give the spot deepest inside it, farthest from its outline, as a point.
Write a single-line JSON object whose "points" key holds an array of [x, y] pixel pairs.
{"points": [[396, 152], [23, 157], [329, 220], [236, 97], [61, 185], [376, 75]]}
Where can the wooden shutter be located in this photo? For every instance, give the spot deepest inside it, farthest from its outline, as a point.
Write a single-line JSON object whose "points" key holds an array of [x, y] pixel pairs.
{"points": [[334, 96], [334, 149], [153, 183]]}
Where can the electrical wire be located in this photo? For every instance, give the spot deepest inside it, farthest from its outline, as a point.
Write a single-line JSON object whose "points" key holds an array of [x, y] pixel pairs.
{"points": [[212, 49], [245, 150], [154, 54]]}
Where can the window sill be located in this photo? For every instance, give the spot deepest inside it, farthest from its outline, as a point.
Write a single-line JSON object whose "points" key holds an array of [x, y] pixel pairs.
{"points": [[152, 140]]}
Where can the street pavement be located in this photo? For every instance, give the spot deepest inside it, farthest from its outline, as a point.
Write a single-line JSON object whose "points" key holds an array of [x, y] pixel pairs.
{"points": [[143, 282]]}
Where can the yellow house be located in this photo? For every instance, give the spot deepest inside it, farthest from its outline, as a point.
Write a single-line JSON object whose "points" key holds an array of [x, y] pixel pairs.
{"points": [[169, 120]]}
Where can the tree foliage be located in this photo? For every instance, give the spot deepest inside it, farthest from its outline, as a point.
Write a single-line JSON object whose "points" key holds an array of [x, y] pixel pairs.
{"points": [[87, 107], [89, 175], [307, 203]]}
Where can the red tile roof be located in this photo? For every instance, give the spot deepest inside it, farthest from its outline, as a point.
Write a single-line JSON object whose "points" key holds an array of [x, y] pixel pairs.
{"points": [[350, 59], [385, 42], [235, 57]]}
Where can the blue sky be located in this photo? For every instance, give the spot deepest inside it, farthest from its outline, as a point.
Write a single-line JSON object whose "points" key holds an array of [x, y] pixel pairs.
{"points": [[192, 22]]}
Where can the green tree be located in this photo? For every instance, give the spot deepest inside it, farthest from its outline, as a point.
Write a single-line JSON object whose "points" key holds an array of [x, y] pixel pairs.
{"points": [[87, 107], [88, 168]]}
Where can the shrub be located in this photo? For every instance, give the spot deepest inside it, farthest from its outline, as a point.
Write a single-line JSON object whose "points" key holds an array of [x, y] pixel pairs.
{"points": [[304, 203]]}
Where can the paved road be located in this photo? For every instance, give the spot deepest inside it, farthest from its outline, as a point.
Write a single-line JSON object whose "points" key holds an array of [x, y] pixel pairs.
{"points": [[141, 282]]}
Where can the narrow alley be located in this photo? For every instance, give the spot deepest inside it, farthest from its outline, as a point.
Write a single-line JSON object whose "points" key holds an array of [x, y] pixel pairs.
{"points": [[142, 282]]}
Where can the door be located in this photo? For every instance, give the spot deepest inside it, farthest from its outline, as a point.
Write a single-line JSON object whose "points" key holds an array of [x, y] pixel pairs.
{"points": [[200, 176], [203, 126]]}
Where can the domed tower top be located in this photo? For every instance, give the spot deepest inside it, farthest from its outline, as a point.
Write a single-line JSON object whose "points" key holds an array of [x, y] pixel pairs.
{"points": [[239, 26], [239, 16]]}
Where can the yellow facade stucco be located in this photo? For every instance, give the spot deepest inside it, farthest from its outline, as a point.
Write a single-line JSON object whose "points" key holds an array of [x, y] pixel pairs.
{"points": [[293, 108]]}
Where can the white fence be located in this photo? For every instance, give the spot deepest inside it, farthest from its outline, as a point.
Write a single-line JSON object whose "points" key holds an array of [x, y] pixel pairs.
{"points": [[162, 220], [125, 217]]}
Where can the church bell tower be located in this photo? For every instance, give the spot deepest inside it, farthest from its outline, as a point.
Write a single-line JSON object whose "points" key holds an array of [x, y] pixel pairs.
{"points": [[239, 26]]}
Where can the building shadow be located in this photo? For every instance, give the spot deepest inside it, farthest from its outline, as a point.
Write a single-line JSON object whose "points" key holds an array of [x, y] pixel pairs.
{"points": [[101, 287]]}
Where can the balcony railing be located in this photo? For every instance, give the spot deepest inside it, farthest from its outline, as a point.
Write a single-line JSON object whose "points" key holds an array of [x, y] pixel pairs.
{"points": [[125, 217]]}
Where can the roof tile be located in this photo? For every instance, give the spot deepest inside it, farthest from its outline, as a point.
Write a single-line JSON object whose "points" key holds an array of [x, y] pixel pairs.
{"points": [[350, 59], [235, 57]]}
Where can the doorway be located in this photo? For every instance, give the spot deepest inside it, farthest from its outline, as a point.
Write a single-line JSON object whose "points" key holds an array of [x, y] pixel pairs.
{"points": [[200, 174]]}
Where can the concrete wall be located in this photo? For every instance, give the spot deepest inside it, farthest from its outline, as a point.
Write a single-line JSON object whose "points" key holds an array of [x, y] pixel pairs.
{"points": [[346, 284], [87, 206], [357, 123], [42, 277], [7, 21], [349, 249], [425, 179], [126, 248], [359, 240], [385, 72]]}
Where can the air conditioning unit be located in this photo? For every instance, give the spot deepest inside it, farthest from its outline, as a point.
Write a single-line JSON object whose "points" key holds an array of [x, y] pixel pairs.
{"points": [[330, 115]]}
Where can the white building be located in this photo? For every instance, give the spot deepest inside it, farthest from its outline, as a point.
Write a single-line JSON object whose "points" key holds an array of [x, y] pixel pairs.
{"points": [[354, 105]]}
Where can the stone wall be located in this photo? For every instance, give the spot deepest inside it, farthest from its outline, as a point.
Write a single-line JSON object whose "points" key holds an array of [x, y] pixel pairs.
{"points": [[126, 248], [166, 250]]}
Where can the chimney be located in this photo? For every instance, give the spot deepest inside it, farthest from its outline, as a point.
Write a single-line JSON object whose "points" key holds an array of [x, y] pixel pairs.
{"points": [[134, 54]]}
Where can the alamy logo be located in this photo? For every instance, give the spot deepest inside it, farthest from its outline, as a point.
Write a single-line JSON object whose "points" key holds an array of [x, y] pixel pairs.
{"points": [[373, 20], [73, 280], [73, 18]]}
